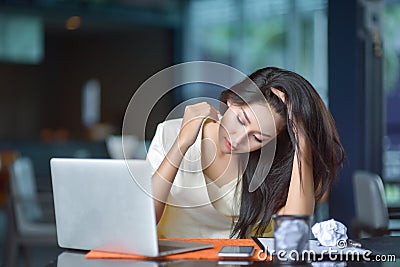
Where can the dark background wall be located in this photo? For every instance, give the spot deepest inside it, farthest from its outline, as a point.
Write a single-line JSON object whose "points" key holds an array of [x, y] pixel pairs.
{"points": [[34, 97]]}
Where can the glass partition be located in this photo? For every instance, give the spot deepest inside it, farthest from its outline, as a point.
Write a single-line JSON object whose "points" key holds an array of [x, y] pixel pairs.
{"points": [[391, 159], [291, 34]]}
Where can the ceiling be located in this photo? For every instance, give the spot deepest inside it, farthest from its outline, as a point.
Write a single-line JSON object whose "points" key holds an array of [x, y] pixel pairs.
{"points": [[98, 15]]}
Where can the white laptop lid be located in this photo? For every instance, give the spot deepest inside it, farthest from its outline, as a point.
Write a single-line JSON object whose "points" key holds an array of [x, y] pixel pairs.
{"points": [[102, 204]]}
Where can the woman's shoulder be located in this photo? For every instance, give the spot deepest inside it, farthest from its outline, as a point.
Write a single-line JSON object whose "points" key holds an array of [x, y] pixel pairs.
{"points": [[171, 123], [168, 130], [170, 126]]}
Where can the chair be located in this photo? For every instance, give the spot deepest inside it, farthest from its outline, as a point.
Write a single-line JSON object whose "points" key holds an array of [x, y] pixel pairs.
{"points": [[372, 217], [7, 157], [120, 147], [30, 214]]}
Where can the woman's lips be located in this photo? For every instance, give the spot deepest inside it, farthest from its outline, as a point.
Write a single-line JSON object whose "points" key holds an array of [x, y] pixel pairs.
{"points": [[229, 145]]}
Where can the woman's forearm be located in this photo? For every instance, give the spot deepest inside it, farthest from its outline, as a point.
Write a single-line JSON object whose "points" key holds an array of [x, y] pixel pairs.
{"points": [[165, 175], [301, 197], [163, 178]]}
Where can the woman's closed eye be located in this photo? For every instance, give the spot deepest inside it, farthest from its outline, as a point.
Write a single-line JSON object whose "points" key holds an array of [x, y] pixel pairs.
{"points": [[257, 139], [239, 120]]}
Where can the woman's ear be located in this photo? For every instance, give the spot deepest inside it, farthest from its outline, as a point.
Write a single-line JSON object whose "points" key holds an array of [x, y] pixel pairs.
{"points": [[228, 103], [279, 94]]}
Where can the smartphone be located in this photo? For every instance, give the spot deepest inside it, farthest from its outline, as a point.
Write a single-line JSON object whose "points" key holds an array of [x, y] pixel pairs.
{"points": [[236, 251]]}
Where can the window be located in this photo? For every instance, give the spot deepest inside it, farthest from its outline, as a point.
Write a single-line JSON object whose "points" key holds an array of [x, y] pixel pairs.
{"points": [[391, 158], [252, 34]]}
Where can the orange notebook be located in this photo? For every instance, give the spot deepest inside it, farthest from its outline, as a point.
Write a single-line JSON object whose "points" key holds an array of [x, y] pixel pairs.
{"points": [[205, 254]]}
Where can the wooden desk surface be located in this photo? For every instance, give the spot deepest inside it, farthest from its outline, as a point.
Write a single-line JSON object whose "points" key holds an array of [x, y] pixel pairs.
{"points": [[382, 246]]}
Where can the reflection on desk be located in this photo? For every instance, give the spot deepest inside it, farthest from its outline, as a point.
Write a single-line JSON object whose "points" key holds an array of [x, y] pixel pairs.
{"points": [[67, 259], [77, 259]]}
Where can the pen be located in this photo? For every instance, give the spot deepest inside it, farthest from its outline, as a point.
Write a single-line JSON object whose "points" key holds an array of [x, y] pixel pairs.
{"points": [[353, 243]]}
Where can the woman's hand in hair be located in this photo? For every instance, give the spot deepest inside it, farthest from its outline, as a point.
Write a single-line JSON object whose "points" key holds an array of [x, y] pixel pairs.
{"points": [[279, 94], [282, 96], [193, 119]]}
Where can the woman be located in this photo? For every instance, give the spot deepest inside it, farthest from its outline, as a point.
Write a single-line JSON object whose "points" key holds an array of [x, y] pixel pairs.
{"points": [[215, 177]]}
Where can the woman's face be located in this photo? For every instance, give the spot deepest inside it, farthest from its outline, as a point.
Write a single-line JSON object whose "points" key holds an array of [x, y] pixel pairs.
{"points": [[246, 128]]}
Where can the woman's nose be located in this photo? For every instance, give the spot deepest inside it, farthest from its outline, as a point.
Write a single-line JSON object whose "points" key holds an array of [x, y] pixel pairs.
{"points": [[239, 137]]}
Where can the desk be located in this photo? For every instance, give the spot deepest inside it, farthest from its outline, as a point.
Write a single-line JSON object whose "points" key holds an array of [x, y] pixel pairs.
{"points": [[75, 259], [388, 245]]}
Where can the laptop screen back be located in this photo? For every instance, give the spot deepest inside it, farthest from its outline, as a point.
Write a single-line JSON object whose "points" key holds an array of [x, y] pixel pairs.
{"points": [[102, 204]]}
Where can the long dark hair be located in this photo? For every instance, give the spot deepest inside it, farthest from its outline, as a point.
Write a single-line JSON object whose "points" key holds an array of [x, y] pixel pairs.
{"points": [[313, 121]]}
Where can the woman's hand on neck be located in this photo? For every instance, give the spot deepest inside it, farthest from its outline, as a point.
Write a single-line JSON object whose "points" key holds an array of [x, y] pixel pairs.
{"points": [[218, 166]]}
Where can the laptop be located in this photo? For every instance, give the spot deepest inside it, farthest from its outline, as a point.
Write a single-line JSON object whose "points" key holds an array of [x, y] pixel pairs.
{"points": [[106, 205]]}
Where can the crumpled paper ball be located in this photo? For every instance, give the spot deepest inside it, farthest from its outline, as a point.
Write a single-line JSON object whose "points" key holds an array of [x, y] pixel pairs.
{"points": [[329, 232]]}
